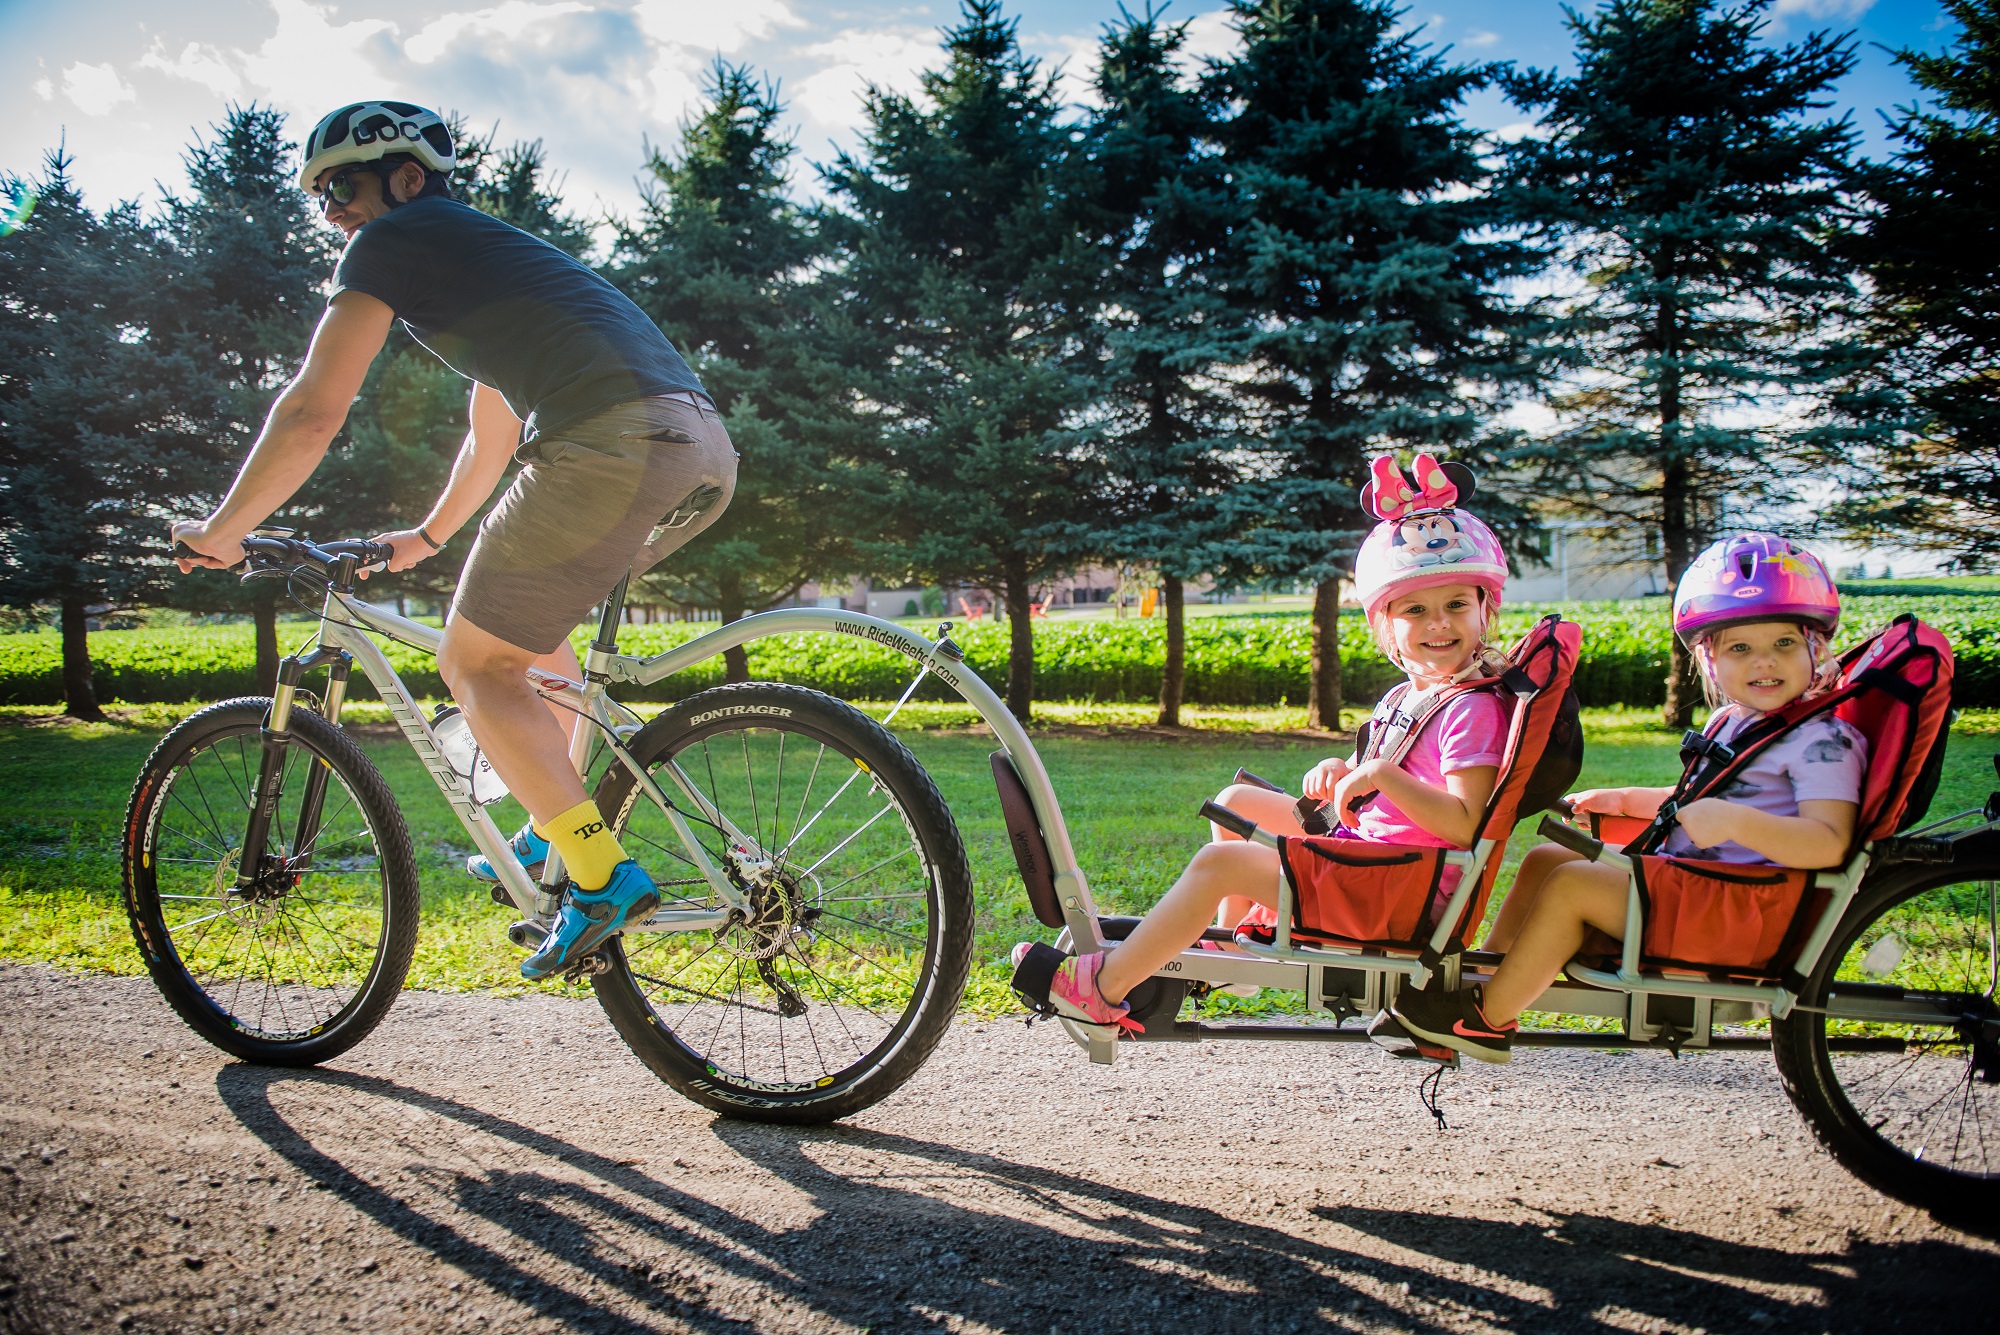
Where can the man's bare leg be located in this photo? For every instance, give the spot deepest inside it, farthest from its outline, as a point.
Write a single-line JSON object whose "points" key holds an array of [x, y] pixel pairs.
{"points": [[514, 725]]}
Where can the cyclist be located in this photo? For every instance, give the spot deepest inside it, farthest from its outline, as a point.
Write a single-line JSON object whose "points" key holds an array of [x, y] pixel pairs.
{"points": [[623, 460]]}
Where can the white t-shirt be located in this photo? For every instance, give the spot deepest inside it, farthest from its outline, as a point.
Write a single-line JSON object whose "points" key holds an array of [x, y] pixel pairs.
{"points": [[1823, 759]]}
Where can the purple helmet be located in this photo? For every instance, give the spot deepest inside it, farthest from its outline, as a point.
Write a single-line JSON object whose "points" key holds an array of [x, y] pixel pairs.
{"points": [[1754, 577]]}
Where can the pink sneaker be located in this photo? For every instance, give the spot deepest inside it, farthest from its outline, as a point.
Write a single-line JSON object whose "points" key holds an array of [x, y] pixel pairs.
{"points": [[1072, 989]]}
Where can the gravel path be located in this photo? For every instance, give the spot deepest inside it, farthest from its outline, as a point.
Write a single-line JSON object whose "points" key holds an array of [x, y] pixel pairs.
{"points": [[503, 1165]]}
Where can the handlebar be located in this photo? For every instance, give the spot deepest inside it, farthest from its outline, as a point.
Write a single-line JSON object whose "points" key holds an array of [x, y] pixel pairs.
{"points": [[1240, 826], [1575, 840], [267, 553]]}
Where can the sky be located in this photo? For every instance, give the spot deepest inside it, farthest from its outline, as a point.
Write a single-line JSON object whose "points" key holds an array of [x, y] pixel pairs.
{"points": [[127, 84]]}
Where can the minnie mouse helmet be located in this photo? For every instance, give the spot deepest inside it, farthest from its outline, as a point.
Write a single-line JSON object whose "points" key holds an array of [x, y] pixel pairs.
{"points": [[1424, 540]]}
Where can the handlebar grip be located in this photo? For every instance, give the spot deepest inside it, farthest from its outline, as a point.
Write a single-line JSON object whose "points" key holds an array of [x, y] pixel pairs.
{"points": [[1575, 840], [182, 549], [1249, 780], [1240, 826], [1563, 807]]}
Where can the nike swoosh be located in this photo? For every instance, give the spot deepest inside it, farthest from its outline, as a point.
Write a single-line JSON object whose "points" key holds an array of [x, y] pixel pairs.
{"points": [[1458, 1027]]}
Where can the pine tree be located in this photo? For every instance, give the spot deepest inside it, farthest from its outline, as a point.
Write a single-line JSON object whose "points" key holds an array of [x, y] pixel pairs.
{"points": [[1931, 249], [1365, 264], [243, 259], [78, 523], [513, 185], [721, 259], [956, 254], [1697, 197], [1156, 203]]}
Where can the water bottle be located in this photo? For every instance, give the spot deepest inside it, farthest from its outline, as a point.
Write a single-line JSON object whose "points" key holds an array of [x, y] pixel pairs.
{"points": [[462, 753]]}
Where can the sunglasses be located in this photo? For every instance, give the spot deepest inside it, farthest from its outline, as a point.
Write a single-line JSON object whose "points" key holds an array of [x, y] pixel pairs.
{"points": [[339, 188]]}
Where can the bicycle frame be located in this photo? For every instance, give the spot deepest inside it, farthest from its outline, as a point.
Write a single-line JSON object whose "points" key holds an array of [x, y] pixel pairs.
{"points": [[1326, 974]]}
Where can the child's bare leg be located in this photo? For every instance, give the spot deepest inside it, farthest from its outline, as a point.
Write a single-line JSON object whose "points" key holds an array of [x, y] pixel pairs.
{"points": [[1575, 895], [1520, 901], [1177, 921], [1276, 812]]}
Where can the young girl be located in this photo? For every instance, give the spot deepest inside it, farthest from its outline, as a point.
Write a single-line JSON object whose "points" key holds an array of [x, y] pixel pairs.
{"points": [[1756, 612], [1429, 577]]}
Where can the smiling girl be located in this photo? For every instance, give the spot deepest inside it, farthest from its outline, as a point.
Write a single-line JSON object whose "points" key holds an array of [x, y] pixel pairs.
{"points": [[1757, 612], [1429, 577]]}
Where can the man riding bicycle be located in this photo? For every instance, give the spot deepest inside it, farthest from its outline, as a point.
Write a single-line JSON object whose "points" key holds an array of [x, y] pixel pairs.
{"points": [[623, 460]]}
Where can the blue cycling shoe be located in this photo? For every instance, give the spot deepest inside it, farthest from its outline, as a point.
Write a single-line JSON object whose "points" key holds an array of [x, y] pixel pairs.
{"points": [[589, 916], [531, 848]]}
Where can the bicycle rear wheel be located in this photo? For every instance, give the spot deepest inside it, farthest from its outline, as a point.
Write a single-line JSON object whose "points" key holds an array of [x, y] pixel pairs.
{"points": [[838, 983], [305, 963], [1913, 1109]]}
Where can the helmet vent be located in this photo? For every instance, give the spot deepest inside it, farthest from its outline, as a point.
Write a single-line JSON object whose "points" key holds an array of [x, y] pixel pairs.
{"points": [[1747, 563], [336, 127]]}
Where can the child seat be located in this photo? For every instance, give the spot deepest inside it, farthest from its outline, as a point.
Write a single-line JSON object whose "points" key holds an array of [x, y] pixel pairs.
{"points": [[1357, 892], [1733, 918]]}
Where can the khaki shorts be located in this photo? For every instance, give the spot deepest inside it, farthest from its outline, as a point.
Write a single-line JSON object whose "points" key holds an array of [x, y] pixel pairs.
{"points": [[613, 493]]}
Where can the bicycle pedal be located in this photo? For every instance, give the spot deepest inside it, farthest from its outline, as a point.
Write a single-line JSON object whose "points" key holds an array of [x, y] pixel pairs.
{"points": [[590, 966]]}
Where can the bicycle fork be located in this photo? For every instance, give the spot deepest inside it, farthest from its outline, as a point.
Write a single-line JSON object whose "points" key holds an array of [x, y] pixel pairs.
{"points": [[276, 738]]}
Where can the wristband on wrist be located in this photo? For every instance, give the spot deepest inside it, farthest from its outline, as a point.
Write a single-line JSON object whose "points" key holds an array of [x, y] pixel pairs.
{"points": [[436, 546]]}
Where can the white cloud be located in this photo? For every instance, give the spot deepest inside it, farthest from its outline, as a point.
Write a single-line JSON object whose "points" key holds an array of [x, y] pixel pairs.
{"points": [[1480, 37], [199, 64], [511, 20], [1824, 9], [1208, 35], [887, 58], [95, 89], [708, 27], [44, 89], [314, 64]]}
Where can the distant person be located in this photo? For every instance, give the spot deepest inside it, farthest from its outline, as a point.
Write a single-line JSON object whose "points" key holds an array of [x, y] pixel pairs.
{"points": [[623, 460]]}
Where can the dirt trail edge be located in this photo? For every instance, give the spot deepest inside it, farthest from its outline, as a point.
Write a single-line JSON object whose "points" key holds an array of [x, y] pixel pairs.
{"points": [[504, 1165]]}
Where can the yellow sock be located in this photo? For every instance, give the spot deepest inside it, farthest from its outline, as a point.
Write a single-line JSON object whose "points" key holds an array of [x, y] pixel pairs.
{"points": [[589, 850]]}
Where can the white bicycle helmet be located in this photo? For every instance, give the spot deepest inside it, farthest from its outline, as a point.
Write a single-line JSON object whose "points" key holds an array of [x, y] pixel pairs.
{"points": [[370, 131]]}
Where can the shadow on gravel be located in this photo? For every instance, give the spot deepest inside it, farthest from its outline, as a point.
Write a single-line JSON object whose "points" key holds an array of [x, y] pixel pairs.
{"points": [[930, 1236], [1589, 1263]]}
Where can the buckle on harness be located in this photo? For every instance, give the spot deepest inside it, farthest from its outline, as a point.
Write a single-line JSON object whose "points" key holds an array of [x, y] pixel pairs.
{"points": [[1700, 746]]}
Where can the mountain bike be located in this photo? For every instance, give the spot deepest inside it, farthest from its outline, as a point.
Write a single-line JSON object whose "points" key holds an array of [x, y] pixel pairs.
{"points": [[816, 916]]}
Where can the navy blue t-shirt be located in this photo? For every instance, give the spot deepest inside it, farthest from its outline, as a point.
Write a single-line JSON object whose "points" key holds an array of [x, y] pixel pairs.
{"points": [[511, 311]]}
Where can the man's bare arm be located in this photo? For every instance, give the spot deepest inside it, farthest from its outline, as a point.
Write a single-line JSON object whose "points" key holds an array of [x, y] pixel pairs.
{"points": [[488, 447], [302, 423]]}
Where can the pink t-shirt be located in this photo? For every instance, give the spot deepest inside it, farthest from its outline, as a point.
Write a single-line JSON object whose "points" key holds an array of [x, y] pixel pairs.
{"points": [[1823, 759], [1470, 731]]}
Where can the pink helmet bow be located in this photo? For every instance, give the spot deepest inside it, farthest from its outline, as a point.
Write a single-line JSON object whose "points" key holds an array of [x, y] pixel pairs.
{"points": [[1390, 496]]}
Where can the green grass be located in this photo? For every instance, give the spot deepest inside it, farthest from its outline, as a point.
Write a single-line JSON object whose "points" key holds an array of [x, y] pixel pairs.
{"points": [[1129, 794]]}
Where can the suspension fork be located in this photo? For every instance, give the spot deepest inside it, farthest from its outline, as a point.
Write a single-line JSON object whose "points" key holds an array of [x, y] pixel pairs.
{"points": [[276, 736], [312, 802]]}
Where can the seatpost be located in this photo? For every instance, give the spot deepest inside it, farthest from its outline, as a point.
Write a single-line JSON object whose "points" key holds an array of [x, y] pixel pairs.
{"points": [[607, 628]]}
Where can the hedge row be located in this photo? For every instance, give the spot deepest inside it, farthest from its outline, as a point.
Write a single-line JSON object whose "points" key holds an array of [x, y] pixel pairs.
{"points": [[1239, 659]]}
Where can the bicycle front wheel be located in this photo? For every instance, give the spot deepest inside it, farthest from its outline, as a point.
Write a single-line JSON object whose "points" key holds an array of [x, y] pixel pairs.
{"points": [[304, 963], [1913, 1109], [836, 983]]}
